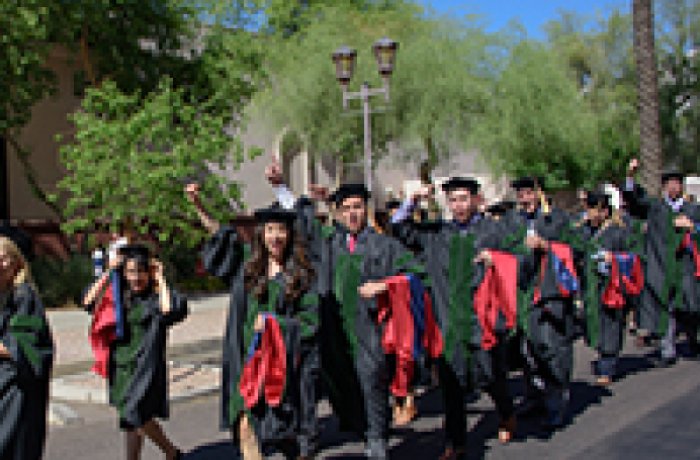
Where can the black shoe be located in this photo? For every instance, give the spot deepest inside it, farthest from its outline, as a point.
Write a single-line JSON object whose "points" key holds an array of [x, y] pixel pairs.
{"points": [[531, 407], [179, 455], [663, 363]]}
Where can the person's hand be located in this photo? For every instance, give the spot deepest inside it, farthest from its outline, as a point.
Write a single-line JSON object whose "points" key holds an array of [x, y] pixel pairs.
{"points": [[682, 221], [372, 289], [259, 325], [157, 270], [318, 192], [115, 262], [484, 257], [192, 192], [273, 173], [535, 242], [423, 193], [608, 257], [632, 167]]}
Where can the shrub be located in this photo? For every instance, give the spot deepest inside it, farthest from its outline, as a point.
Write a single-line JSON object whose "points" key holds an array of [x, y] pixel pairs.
{"points": [[62, 281]]}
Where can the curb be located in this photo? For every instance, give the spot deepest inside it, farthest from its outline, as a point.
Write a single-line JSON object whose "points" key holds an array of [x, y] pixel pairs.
{"points": [[203, 346]]}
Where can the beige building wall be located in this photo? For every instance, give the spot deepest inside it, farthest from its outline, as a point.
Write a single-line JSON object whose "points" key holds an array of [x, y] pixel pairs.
{"points": [[49, 118]]}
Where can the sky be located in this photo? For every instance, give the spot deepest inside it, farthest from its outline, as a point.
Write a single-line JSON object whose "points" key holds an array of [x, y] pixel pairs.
{"points": [[533, 14]]}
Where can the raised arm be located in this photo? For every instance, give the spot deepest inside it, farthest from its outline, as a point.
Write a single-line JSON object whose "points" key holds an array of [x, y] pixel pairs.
{"points": [[99, 286], [192, 193], [403, 228], [635, 196]]}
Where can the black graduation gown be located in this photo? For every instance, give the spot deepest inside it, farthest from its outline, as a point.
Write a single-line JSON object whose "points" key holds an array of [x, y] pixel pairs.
{"points": [[354, 365], [548, 325], [224, 256], [24, 378], [448, 254], [138, 373], [670, 282], [605, 326]]}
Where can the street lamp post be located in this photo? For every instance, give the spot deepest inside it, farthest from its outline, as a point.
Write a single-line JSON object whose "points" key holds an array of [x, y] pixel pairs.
{"points": [[344, 59]]}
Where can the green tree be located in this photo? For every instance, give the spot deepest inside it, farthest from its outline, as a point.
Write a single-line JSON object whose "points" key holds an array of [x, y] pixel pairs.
{"points": [[131, 42], [599, 57], [132, 156], [302, 93], [678, 32], [137, 144], [441, 81], [537, 121]]}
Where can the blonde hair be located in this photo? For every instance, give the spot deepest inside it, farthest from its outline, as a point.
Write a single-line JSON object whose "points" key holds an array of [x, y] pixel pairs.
{"points": [[24, 274]]}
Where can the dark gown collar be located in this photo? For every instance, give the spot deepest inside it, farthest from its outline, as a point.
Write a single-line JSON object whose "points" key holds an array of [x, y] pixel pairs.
{"points": [[463, 227], [345, 233], [529, 215]]}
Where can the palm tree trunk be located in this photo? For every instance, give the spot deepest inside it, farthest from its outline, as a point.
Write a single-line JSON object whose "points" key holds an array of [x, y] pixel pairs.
{"points": [[648, 89]]}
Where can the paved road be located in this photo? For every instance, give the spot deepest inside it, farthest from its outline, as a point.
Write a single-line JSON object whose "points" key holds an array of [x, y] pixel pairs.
{"points": [[649, 414]]}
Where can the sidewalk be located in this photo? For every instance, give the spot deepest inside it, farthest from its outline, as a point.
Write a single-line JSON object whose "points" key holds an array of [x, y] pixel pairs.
{"points": [[200, 333], [70, 331]]}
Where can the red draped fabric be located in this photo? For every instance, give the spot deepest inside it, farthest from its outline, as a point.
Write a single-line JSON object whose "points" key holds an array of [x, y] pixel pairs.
{"points": [[691, 244], [395, 308], [265, 372], [498, 292], [103, 331]]}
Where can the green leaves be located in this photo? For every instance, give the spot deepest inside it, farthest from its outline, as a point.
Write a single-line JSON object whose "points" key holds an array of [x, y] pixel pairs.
{"points": [[132, 156]]}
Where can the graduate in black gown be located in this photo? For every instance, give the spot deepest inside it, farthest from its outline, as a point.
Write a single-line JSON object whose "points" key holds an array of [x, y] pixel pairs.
{"points": [[545, 314], [354, 260], [611, 279], [270, 278], [138, 374], [456, 254], [671, 294], [26, 357]]}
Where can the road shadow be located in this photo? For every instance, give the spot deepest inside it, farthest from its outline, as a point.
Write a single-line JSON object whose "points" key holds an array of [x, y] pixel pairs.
{"points": [[628, 366], [213, 451]]}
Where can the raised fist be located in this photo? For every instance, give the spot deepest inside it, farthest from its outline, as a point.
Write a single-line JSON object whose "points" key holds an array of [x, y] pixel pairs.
{"points": [[633, 166], [273, 173], [423, 193], [192, 192], [318, 192]]}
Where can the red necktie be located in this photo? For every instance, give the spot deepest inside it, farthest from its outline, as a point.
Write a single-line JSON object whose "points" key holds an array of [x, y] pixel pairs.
{"points": [[352, 242]]}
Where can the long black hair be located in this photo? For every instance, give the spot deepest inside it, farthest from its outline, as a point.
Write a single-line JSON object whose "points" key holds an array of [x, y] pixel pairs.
{"points": [[297, 270]]}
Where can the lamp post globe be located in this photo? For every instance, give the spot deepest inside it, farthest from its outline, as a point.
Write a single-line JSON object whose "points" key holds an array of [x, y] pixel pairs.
{"points": [[385, 54], [344, 59]]}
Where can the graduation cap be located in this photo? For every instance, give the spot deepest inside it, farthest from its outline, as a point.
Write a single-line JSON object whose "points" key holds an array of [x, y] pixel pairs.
{"points": [[597, 200], [454, 183], [135, 250], [672, 175], [497, 209], [346, 191], [392, 204], [528, 182], [275, 213], [500, 208]]}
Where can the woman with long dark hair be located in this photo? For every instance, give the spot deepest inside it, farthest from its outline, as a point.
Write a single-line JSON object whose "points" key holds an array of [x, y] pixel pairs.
{"points": [[142, 307], [270, 356], [26, 357]]}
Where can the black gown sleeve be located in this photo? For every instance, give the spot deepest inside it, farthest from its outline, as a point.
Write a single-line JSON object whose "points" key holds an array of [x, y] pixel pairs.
{"points": [[223, 254], [178, 309], [638, 202]]}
